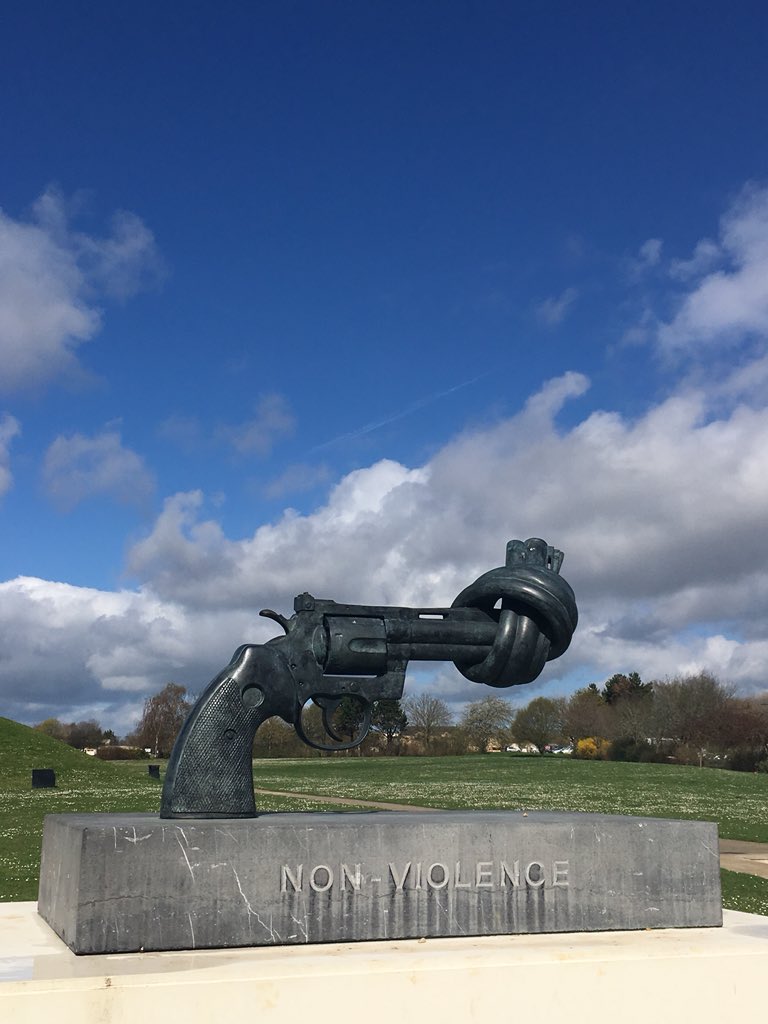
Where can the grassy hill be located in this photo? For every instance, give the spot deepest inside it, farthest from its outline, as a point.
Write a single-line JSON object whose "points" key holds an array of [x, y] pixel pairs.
{"points": [[22, 749], [82, 784]]}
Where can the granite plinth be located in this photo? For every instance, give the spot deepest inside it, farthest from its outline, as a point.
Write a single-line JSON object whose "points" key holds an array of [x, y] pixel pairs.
{"points": [[112, 883]]}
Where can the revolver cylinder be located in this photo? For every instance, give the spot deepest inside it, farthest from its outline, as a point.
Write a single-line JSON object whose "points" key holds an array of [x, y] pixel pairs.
{"points": [[356, 646]]}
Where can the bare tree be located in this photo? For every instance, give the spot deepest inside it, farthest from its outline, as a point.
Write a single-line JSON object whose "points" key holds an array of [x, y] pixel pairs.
{"points": [[692, 710], [162, 720], [541, 722], [426, 714], [53, 727], [485, 720], [586, 715]]}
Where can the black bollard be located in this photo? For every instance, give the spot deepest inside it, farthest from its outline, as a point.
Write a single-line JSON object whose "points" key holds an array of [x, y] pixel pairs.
{"points": [[43, 778]]}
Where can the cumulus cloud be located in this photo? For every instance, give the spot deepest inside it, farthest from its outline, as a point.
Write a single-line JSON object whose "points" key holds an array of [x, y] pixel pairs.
{"points": [[73, 651], [728, 302], [662, 519], [51, 280], [9, 428], [78, 467], [553, 311]]}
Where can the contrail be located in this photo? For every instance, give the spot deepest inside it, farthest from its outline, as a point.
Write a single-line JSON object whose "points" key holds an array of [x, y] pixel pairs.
{"points": [[413, 407]]}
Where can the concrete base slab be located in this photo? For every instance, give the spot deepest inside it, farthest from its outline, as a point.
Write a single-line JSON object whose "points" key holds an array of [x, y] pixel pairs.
{"points": [[704, 975], [119, 883]]}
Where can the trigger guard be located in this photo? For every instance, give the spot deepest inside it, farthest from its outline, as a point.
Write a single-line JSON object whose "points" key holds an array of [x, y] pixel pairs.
{"points": [[321, 702], [328, 706]]}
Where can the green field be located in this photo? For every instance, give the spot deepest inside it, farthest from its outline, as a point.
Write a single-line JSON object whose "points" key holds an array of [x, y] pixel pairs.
{"points": [[737, 801], [83, 783]]}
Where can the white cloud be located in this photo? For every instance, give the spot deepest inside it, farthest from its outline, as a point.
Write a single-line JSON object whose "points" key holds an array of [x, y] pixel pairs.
{"points": [[729, 304], [553, 311], [705, 255], [9, 428], [273, 419], [79, 467], [662, 520], [184, 431], [648, 255], [72, 651], [51, 278], [299, 477], [650, 252]]}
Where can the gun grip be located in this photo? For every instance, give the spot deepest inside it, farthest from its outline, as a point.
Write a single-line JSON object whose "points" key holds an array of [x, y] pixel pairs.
{"points": [[210, 771]]}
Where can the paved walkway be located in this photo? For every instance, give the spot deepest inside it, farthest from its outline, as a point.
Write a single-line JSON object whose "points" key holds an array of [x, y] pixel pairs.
{"points": [[739, 855], [735, 854], [346, 801]]}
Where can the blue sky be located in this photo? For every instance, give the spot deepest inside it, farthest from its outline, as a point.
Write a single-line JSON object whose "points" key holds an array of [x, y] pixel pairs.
{"points": [[343, 296]]}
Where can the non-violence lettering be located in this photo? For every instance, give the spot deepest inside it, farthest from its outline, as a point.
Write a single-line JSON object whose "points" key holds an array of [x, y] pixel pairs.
{"points": [[505, 875]]}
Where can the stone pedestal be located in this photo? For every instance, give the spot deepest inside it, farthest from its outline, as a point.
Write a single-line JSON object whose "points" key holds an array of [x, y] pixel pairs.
{"points": [[120, 883]]}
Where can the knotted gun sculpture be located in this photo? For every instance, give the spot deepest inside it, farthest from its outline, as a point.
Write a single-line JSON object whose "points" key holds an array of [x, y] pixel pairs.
{"points": [[501, 631]]}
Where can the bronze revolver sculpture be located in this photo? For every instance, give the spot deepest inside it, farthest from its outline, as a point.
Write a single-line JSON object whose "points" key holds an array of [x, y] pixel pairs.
{"points": [[335, 651]]}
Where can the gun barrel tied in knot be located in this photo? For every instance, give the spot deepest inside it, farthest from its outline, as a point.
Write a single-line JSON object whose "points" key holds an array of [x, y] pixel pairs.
{"points": [[501, 630]]}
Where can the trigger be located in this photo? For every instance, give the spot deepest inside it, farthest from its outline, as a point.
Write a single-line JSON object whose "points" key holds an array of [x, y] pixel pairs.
{"points": [[329, 706]]}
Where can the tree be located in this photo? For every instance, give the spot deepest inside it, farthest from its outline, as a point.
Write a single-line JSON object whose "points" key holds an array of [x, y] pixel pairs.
{"points": [[692, 710], [426, 714], [620, 687], [744, 733], [541, 722], [389, 719], [162, 720], [77, 734], [586, 715], [486, 719], [629, 703], [84, 734], [272, 739], [53, 727], [347, 720]]}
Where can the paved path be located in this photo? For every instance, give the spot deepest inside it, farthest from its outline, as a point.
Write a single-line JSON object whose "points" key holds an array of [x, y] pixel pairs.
{"points": [[739, 855], [347, 801], [735, 854]]}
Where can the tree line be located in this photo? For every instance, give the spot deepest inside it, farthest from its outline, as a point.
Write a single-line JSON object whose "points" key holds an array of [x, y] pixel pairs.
{"points": [[691, 719], [77, 734], [161, 720]]}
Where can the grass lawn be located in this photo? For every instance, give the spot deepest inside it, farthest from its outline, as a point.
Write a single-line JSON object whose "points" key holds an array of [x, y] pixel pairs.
{"points": [[83, 783], [737, 801]]}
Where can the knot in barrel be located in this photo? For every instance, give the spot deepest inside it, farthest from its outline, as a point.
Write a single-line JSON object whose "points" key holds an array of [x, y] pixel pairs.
{"points": [[536, 617]]}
